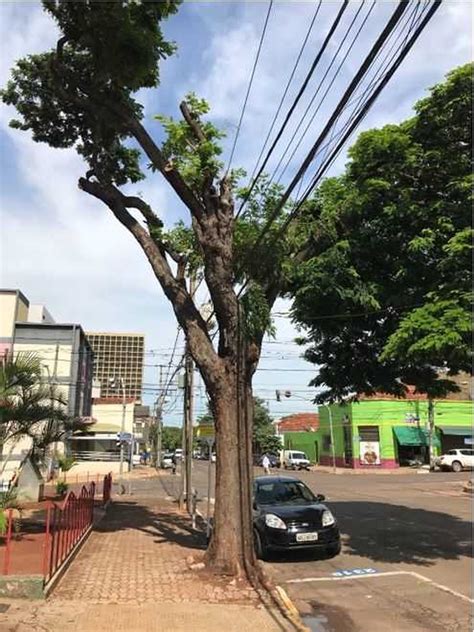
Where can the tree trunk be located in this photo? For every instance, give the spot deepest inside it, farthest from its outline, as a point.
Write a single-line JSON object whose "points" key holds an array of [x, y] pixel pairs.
{"points": [[231, 548]]}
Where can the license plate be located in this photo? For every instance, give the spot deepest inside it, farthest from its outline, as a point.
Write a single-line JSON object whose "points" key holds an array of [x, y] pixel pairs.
{"points": [[307, 537]]}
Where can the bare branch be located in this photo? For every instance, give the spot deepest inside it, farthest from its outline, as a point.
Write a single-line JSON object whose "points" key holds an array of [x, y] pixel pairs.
{"points": [[186, 311], [192, 122]]}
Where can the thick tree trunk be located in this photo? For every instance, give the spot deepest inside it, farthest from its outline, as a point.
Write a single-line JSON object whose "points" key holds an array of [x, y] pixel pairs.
{"points": [[231, 548]]}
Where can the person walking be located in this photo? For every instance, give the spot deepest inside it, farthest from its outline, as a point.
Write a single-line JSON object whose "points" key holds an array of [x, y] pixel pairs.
{"points": [[266, 464]]}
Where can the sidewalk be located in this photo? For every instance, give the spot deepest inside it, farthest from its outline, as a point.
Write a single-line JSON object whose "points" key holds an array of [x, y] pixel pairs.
{"points": [[134, 573]]}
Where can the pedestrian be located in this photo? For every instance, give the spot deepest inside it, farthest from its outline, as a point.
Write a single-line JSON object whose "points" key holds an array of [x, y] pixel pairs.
{"points": [[266, 464], [173, 460]]}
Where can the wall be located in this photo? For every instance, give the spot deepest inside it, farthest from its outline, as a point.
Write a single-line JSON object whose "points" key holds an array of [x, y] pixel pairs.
{"points": [[109, 417], [385, 414], [304, 441], [13, 307]]}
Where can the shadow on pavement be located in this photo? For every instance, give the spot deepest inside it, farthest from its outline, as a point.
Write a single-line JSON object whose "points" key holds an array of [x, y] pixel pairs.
{"points": [[163, 525], [396, 533]]}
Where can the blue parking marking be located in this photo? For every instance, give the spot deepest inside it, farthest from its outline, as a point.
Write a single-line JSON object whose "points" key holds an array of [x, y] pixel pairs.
{"points": [[355, 571]]}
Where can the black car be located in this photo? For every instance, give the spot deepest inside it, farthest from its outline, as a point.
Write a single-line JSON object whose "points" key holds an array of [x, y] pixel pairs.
{"points": [[288, 516]]}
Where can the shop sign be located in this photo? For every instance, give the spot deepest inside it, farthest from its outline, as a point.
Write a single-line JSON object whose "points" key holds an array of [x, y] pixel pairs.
{"points": [[370, 452]]}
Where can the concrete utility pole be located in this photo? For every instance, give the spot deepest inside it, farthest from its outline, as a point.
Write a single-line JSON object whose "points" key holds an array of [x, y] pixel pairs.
{"points": [[159, 419], [431, 432], [187, 436]]}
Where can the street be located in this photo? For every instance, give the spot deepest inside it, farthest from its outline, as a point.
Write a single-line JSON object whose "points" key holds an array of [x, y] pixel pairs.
{"points": [[406, 536]]}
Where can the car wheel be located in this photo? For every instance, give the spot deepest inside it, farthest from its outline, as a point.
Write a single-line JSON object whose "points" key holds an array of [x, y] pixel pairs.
{"points": [[333, 550], [456, 466], [260, 549]]}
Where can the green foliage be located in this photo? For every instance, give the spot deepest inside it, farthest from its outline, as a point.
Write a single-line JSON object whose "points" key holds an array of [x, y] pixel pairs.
{"points": [[384, 291], [30, 407], [9, 500], [195, 161], [80, 94], [66, 463], [61, 488], [171, 437]]}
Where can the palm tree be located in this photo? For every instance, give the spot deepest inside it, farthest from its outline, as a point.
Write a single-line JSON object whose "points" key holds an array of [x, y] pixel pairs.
{"points": [[30, 407]]}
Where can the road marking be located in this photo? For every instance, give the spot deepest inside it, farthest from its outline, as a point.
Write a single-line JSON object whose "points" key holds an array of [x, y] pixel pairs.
{"points": [[383, 574]]}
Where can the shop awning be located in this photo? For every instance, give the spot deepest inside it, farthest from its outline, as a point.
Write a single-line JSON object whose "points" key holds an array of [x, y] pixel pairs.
{"points": [[412, 435], [459, 431]]}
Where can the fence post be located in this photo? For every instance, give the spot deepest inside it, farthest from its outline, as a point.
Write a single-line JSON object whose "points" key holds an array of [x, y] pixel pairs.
{"points": [[47, 548], [6, 561]]}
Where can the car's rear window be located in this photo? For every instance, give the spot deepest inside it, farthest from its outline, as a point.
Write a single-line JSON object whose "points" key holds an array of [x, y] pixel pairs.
{"points": [[298, 455], [283, 492]]}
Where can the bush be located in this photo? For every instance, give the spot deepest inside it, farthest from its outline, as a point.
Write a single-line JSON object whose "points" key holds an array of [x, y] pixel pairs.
{"points": [[61, 488], [8, 500]]}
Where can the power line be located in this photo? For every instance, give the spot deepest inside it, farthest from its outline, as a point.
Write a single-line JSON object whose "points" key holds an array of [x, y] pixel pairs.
{"points": [[363, 110], [262, 37], [310, 122], [296, 100]]}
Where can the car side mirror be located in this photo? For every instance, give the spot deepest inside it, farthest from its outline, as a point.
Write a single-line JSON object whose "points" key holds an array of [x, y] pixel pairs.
{"points": [[320, 497]]}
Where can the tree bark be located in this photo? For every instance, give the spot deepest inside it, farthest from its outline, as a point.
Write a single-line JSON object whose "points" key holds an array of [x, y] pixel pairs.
{"points": [[230, 551]]}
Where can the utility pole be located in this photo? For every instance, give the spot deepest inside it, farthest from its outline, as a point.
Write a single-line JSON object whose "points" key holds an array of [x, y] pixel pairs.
{"points": [[187, 436], [159, 419], [431, 432]]}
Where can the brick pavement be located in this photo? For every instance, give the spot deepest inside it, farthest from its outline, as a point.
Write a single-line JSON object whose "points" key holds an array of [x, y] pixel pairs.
{"points": [[133, 574], [139, 553]]}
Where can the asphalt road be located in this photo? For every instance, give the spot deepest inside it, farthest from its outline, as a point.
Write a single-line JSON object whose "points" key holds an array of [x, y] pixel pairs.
{"points": [[406, 536]]}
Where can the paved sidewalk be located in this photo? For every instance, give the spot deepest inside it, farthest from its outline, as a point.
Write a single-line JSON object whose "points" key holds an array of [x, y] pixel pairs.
{"points": [[134, 573]]}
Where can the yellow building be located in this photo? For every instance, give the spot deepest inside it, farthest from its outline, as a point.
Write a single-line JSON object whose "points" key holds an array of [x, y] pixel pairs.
{"points": [[14, 307]]}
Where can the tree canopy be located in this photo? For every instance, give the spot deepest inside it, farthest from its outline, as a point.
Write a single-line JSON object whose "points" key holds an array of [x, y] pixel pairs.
{"points": [[385, 297]]}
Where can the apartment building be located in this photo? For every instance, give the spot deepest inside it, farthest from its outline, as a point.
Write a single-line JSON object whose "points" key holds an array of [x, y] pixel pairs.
{"points": [[117, 357]]}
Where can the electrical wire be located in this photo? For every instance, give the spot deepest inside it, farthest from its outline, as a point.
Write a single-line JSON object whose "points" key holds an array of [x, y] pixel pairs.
{"points": [[297, 99], [262, 37]]}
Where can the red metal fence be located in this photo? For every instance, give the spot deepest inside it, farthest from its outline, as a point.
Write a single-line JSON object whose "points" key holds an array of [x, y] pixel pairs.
{"points": [[66, 523]]}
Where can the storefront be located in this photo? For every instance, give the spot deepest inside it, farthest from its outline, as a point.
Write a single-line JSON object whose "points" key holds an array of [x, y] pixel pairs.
{"points": [[453, 437], [390, 433]]}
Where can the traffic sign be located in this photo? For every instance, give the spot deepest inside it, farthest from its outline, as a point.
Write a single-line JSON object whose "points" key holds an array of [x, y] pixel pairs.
{"points": [[125, 436], [206, 432]]}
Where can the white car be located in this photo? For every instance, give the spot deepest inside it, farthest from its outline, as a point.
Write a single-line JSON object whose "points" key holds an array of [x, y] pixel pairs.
{"points": [[295, 460], [456, 460]]}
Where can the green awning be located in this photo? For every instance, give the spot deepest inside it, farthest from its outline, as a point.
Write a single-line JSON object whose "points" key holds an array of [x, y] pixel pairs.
{"points": [[459, 431], [412, 435]]}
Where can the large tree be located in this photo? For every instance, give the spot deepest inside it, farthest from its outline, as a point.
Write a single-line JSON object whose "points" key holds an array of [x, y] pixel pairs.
{"points": [[386, 300], [82, 95]]}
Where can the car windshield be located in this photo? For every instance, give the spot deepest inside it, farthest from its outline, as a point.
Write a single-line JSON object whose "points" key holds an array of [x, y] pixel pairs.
{"points": [[283, 493]]}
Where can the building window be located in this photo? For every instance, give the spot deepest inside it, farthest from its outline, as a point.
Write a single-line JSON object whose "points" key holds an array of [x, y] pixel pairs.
{"points": [[369, 433]]}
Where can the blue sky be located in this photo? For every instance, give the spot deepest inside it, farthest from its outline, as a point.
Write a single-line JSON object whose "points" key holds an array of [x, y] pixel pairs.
{"points": [[63, 249]]}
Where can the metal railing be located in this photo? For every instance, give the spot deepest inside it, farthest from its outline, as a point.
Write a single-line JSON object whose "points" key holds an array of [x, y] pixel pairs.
{"points": [[66, 523], [95, 456]]}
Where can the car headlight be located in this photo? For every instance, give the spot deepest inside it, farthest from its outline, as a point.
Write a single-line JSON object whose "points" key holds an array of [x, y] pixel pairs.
{"points": [[274, 522], [328, 518]]}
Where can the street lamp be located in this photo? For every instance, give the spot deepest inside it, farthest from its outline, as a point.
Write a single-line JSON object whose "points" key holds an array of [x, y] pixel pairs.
{"points": [[113, 383]]}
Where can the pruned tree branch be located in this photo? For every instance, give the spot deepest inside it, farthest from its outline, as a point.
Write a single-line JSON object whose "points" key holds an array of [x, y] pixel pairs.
{"points": [[186, 311]]}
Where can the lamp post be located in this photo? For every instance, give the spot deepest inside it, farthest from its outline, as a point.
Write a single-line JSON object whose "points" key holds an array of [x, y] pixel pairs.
{"points": [[331, 431], [113, 384]]}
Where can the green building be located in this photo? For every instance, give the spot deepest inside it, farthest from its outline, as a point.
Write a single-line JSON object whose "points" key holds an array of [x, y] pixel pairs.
{"points": [[389, 433]]}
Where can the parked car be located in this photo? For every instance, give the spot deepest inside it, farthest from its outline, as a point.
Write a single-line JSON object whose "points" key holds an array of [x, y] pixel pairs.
{"points": [[295, 460], [167, 460], [213, 457], [456, 460], [288, 516], [178, 454]]}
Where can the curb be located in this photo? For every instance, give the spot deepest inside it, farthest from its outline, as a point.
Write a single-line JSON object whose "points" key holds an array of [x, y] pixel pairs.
{"points": [[292, 613]]}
